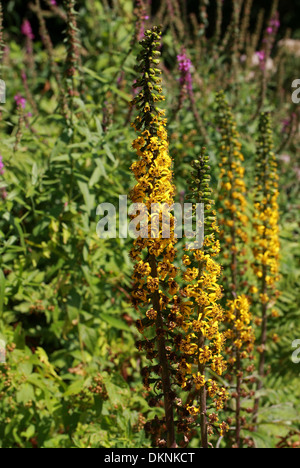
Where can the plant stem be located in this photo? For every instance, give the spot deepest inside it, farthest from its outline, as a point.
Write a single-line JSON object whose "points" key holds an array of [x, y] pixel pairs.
{"points": [[203, 402], [163, 361]]}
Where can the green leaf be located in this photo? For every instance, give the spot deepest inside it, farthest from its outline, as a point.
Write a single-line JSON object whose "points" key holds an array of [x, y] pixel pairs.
{"points": [[88, 336], [88, 198], [95, 176], [29, 433], [25, 393], [34, 174], [109, 153], [115, 322]]}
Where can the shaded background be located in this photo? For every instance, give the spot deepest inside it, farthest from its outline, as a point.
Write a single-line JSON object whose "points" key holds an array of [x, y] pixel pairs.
{"points": [[16, 10]]}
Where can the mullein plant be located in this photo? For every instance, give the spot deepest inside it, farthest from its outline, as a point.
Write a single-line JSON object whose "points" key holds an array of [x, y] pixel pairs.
{"points": [[233, 224], [266, 244], [202, 344], [154, 279]]}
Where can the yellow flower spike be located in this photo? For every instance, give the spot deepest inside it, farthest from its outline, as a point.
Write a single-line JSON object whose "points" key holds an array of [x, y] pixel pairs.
{"points": [[232, 216], [203, 339], [154, 284]]}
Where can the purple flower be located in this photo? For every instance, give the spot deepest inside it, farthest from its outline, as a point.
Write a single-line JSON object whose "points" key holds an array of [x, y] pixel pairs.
{"points": [[274, 24], [275, 21], [261, 54], [2, 170], [285, 125], [26, 29], [185, 65], [184, 62], [20, 101], [53, 2]]}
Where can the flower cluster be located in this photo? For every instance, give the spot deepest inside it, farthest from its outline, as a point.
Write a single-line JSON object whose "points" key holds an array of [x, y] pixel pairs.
{"points": [[233, 222], [268, 41], [20, 101], [203, 342], [266, 243], [186, 91], [185, 80], [27, 30], [2, 170], [185, 65], [73, 53], [154, 283], [274, 24], [266, 215], [232, 210]]}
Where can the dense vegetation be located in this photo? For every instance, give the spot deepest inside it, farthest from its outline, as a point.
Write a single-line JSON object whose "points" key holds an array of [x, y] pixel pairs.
{"points": [[76, 374]]}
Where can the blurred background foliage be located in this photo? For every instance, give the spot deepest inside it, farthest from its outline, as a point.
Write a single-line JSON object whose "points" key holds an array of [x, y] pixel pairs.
{"points": [[15, 10]]}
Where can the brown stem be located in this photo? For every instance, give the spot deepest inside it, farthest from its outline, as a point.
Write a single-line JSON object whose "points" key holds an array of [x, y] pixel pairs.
{"points": [[238, 400], [163, 361], [198, 119], [203, 402]]}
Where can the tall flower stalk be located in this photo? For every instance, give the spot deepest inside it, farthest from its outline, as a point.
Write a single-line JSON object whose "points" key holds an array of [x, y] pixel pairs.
{"points": [[246, 18], [233, 222], [264, 56], [203, 342], [266, 243], [154, 285]]}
